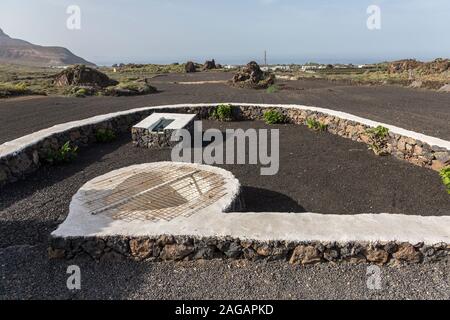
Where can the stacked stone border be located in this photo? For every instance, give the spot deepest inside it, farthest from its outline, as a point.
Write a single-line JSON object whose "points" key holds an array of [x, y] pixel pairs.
{"points": [[22, 156], [186, 248], [145, 138]]}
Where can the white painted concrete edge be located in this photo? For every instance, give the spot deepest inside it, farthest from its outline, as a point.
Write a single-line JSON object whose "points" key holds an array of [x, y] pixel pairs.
{"points": [[14, 146], [180, 120], [263, 226]]}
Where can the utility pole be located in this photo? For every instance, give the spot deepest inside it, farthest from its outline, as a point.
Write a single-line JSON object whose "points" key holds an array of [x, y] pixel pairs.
{"points": [[265, 58]]}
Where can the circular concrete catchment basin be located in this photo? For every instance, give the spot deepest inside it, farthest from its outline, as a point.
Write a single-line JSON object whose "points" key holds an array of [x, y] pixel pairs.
{"points": [[159, 191]]}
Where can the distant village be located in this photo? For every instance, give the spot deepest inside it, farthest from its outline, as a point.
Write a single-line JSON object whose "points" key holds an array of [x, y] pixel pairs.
{"points": [[308, 67]]}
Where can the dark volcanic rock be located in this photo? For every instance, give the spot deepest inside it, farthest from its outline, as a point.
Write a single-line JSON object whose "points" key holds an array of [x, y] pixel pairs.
{"points": [[80, 75], [209, 64], [251, 76], [190, 67]]}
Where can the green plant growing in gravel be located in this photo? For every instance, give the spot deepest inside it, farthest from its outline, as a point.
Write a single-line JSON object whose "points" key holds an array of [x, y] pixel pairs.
{"points": [[445, 176], [316, 125], [66, 153], [272, 89], [105, 135], [80, 93], [274, 117], [223, 112], [378, 137]]}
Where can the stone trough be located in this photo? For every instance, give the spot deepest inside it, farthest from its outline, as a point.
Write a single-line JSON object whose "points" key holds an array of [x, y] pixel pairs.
{"points": [[156, 130]]}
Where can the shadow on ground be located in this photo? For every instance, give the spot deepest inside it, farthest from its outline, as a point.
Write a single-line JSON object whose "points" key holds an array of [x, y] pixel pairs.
{"points": [[263, 200]]}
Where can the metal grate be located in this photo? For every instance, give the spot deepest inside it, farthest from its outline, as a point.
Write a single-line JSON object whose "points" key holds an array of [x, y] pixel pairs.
{"points": [[156, 193]]}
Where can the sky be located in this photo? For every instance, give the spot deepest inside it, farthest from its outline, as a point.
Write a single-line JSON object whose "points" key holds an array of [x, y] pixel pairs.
{"points": [[234, 31]]}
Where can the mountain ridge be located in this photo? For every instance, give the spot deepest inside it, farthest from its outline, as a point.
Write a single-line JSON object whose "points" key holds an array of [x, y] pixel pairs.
{"points": [[17, 51]]}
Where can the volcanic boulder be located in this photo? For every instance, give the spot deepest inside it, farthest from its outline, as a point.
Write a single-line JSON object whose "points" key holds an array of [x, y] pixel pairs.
{"points": [[209, 64], [190, 67], [80, 75], [251, 76]]}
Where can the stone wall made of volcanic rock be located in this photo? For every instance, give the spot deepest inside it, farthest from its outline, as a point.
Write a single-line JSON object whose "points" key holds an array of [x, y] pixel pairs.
{"points": [[19, 164], [146, 138], [184, 248]]}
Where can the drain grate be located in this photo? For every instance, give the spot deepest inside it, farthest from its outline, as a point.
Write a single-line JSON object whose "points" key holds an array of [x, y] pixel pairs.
{"points": [[156, 193]]}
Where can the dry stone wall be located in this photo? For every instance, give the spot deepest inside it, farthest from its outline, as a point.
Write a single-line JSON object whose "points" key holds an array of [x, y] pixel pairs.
{"points": [[184, 248]]}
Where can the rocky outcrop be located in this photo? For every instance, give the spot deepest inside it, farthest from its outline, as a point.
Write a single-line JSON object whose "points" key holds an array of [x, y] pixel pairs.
{"points": [[403, 65], [251, 76], [189, 67], [80, 75], [209, 64], [436, 66]]}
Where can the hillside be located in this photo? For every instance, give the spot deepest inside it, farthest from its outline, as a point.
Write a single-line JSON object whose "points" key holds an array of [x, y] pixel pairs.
{"points": [[16, 51]]}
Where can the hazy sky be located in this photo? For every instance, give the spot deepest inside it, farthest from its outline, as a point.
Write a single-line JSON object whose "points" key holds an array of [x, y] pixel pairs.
{"points": [[234, 31]]}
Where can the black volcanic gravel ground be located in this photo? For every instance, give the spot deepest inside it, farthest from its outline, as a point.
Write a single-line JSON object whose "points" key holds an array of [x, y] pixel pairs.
{"points": [[319, 172], [27, 273]]}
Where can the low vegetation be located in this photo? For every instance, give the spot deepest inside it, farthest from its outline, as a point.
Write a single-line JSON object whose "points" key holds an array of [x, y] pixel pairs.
{"points": [[445, 176], [139, 70], [16, 89], [272, 88], [105, 135], [130, 88], [424, 75], [274, 117], [79, 91], [316, 125], [66, 153], [223, 112], [378, 140], [23, 80]]}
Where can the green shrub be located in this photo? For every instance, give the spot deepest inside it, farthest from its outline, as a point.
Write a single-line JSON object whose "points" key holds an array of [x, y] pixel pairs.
{"points": [[80, 93], [272, 89], [445, 176], [378, 138], [11, 90], [316, 125], [274, 117], [223, 112], [65, 154], [379, 132], [105, 135]]}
